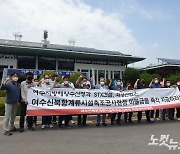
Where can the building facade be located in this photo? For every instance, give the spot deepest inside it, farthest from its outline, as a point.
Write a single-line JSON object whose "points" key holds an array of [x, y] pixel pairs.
{"points": [[32, 55]]}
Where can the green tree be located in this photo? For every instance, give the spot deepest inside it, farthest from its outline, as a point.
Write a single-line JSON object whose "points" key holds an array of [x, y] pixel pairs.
{"points": [[131, 75]]}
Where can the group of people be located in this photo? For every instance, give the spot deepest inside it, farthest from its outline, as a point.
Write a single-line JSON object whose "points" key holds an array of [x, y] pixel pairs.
{"points": [[17, 93]]}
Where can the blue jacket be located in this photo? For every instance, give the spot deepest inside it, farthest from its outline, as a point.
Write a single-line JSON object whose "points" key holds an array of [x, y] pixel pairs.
{"points": [[13, 92]]}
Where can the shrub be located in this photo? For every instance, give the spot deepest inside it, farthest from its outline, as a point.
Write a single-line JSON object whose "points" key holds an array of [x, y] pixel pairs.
{"points": [[75, 76], [51, 73]]}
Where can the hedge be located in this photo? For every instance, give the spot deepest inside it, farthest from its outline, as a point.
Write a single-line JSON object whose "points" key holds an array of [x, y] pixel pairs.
{"points": [[2, 107]]}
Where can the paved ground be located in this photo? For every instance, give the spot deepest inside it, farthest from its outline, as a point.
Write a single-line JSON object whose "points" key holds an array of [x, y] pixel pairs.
{"points": [[123, 139]]}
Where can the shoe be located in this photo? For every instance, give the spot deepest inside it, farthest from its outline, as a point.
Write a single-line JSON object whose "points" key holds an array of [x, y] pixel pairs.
{"points": [[21, 130], [149, 121], [43, 127], [158, 119], [13, 129], [73, 122], [112, 123], [7, 133], [104, 124], [35, 124], [97, 124], [152, 119], [178, 119], [50, 126], [54, 122], [31, 128]]}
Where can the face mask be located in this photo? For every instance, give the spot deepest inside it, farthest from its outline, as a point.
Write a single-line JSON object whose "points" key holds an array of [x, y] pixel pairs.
{"points": [[46, 80], [178, 83], [168, 84], [118, 83], [15, 79], [102, 83], [30, 78], [66, 82], [156, 81], [36, 83], [84, 83]]}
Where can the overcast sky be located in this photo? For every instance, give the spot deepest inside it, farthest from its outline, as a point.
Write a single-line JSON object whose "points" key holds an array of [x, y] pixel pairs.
{"points": [[145, 28]]}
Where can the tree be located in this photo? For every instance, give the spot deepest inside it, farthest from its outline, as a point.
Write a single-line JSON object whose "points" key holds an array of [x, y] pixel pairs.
{"points": [[131, 75]]}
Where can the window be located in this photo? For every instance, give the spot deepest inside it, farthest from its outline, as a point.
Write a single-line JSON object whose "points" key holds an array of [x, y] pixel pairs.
{"points": [[116, 74], [100, 62], [84, 61], [66, 64], [26, 62], [47, 63]]}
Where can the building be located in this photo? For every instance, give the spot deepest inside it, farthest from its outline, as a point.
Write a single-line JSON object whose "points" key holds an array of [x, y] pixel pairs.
{"points": [[33, 55], [164, 67]]}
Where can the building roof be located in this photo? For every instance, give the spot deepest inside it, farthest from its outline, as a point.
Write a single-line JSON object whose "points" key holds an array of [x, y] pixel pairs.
{"points": [[24, 47], [169, 61]]}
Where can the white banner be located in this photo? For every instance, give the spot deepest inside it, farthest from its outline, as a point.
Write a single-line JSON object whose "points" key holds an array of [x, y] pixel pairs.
{"points": [[62, 101]]}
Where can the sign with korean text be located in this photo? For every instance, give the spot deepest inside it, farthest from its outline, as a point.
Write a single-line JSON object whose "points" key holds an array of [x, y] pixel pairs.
{"points": [[62, 101]]}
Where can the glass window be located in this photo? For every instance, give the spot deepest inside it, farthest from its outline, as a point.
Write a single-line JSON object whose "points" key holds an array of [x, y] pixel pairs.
{"points": [[100, 62], [84, 61], [26, 62], [47, 63], [116, 74], [66, 64]]}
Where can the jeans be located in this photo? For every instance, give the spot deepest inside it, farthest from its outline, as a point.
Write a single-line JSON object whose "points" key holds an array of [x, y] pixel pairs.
{"points": [[10, 115]]}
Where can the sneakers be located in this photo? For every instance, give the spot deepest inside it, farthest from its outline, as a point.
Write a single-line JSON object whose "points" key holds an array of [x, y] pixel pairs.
{"points": [[73, 122], [7, 133], [50, 126], [43, 127], [157, 118], [178, 119], [152, 119]]}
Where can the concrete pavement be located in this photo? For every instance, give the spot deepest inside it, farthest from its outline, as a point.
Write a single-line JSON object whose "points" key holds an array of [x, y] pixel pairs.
{"points": [[122, 139]]}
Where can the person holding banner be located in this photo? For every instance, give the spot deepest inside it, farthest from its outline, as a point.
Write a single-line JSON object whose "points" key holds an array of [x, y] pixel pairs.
{"points": [[155, 84], [24, 88], [171, 110], [119, 87], [66, 84], [101, 86], [84, 84], [128, 87], [46, 120], [141, 84], [13, 95], [178, 109]]}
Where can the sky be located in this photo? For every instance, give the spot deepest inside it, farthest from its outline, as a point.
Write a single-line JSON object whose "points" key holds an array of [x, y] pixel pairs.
{"points": [[142, 28]]}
